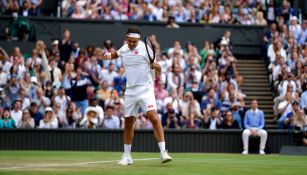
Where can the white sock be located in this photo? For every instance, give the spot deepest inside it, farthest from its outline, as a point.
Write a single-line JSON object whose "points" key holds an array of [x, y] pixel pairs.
{"points": [[127, 149], [161, 146]]}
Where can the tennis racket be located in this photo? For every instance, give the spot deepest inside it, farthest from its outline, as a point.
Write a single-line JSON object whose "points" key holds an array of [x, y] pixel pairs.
{"points": [[150, 49]]}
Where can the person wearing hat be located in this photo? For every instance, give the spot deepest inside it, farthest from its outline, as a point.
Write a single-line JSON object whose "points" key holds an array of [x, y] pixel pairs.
{"points": [[254, 123], [94, 103], [49, 121], [16, 113], [90, 119], [295, 28]]}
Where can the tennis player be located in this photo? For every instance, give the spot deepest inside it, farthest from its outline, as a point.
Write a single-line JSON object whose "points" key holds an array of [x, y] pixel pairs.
{"points": [[139, 92]]}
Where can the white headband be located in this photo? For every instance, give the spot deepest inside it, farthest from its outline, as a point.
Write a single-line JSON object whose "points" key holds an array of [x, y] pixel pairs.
{"points": [[134, 35]]}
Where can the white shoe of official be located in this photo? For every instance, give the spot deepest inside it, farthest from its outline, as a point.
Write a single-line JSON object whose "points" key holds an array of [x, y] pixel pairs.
{"points": [[165, 157], [261, 152], [245, 152], [126, 160]]}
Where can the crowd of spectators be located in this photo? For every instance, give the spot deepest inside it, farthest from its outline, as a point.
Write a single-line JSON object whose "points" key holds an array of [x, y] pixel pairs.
{"points": [[244, 12], [68, 86], [285, 49], [71, 87]]}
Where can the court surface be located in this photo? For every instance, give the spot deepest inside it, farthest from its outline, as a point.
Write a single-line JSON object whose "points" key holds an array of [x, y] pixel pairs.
{"points": [[68, 163]]}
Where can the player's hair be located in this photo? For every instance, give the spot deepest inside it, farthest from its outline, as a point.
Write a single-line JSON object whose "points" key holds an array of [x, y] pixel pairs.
{"points": [[134, 30]]}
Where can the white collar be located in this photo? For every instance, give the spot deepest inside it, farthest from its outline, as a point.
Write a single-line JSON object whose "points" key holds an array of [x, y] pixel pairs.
{"points": [[255, 110]]}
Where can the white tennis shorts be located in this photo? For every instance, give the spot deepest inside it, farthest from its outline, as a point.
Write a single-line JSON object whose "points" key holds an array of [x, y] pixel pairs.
{"points": [[143, 97]]}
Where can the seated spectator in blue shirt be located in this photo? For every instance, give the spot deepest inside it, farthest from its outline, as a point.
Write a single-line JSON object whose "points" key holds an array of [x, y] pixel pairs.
{"points": [[6, 121], [254, 124]]}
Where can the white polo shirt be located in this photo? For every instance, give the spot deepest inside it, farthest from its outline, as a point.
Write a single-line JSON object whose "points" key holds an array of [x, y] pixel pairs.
{"points": [[137, 66]]}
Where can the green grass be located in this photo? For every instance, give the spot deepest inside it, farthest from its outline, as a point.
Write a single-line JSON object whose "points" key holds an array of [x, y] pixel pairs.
{"points": [[66, 163]]}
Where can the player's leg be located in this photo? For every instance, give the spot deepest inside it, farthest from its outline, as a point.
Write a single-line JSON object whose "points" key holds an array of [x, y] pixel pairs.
{"points": [[131, 109], [128, 133], [159, 135], [148, 104], [156, 124]]}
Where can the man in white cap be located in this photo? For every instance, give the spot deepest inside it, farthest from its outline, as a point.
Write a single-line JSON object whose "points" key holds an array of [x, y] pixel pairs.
{"points": [[139, 92]]}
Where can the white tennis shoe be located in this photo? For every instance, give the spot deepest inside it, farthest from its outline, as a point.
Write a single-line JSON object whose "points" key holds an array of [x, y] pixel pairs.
{"points": [[245, 152], [165, 157], [261, 152], [126, 160]]}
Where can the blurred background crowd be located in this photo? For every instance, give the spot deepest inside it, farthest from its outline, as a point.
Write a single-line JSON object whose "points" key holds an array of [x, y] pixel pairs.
{"points": [[61, 85]]}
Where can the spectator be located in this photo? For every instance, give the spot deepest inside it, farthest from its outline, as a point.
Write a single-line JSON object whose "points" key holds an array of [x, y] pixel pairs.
{"points": [[170, 119], [90, 119], [99, 109], [297, 118], [212, 119], [171, 23], [304, 96], [6, 121], [18, 28], [283, 109], [189, 104], [26, 101], [144, 122], [110, 121], [35, 114], [49, 121], [254, 124], [26, 120], [238, 113], [229, 122], [62, 100], [120, 81], [108, 75], [65, 47], [27, 10], [11, 7], [41, 100], [79, 89], [260, 20], [16, 113], [303, 35]]}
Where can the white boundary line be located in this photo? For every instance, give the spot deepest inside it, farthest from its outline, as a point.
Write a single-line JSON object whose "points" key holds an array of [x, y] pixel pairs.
{"points": [[67, 164]]}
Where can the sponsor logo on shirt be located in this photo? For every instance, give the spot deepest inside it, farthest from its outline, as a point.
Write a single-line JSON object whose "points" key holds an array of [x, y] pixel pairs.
{"points": [[136, 52]]}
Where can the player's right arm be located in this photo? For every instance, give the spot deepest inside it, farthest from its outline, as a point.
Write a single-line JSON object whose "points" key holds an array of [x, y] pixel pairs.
{"points": [[110, 56]]}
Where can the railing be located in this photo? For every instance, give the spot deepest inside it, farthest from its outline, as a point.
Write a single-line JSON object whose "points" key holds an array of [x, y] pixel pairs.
{"points": [[227, 141]]}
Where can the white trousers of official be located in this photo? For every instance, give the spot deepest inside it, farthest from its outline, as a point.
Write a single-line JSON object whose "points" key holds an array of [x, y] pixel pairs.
{"points": [[260, 132]]}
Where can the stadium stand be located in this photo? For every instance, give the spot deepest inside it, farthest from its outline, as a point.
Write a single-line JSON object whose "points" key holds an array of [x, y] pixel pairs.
{"points": [[196, 82]]}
